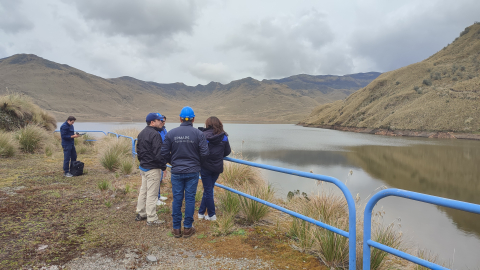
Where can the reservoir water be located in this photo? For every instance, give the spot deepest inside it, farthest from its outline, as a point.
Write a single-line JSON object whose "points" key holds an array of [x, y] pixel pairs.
{"points": [[368, 163]]}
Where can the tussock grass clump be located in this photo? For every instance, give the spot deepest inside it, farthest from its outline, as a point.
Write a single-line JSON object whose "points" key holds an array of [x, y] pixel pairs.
{"points": [[388, 236], [32, 138], [103, 185], [113, 153], [253, 210], [235, 175], [224, 225], [126, 165], [18, 111], [229, 202], [8, 146]]}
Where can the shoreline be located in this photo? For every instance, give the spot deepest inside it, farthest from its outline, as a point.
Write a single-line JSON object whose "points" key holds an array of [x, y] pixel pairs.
{"points": [[400, 133]]}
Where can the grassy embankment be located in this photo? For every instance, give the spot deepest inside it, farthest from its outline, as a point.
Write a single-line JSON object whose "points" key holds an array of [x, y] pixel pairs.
{"points": [[50, 219]]}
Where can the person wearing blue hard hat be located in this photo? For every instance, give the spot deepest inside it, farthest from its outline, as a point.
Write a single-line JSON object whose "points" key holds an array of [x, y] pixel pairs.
{"points": [[152, 163], [184, 148]]}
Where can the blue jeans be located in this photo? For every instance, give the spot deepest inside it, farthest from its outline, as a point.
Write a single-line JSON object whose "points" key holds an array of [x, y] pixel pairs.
{"points": [[208, 179], [69, 156], [183, 183]]}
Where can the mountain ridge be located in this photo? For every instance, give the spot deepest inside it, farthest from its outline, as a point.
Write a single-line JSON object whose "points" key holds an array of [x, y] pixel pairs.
{"points": [[65, 90]]}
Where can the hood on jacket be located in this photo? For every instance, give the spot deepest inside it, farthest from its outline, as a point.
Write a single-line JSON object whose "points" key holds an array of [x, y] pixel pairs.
{"points": [[212, 138]]}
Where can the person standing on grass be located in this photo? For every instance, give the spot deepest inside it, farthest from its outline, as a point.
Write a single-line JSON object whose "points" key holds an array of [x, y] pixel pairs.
{"points": [[185, 147], [149, 145], [163, 132], [67, 132], [212, 167]]}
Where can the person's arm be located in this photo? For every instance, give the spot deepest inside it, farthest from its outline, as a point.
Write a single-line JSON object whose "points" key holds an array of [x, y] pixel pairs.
{"points": [[166, 148], [157, 151], [203, 146], [227, 150]]}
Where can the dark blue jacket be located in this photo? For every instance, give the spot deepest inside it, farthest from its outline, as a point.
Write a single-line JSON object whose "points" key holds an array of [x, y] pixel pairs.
{"points": [[163, 132], [219, 147], [66, 132], [184, 148]]}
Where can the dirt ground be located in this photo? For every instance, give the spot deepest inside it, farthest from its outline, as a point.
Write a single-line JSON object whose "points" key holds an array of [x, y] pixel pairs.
{"points": [[47, 219]]}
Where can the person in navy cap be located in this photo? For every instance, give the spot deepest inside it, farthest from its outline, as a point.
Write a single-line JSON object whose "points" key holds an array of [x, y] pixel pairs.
{"points": [[152, 163]]}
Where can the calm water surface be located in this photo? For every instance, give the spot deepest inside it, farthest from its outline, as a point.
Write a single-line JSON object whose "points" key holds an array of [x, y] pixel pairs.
{"points": [[366, 163]]}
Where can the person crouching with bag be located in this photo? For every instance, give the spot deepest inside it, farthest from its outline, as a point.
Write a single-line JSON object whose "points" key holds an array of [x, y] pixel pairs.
{"points": [[212, 167]]}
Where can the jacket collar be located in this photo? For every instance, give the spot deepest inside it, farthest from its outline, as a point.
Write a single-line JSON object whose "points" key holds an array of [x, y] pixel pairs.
{"points": [[188, 123]]}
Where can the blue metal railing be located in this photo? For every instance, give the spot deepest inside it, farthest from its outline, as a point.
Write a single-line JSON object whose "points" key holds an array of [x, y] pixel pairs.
{"points": [[351, 234], [367, 225], [116, 135]]}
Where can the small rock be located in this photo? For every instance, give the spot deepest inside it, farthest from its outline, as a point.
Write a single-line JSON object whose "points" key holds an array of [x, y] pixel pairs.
{"points": [[151, 258], [42, 247]]}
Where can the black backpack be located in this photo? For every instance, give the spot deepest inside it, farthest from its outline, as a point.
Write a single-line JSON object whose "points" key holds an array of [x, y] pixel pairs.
{"points": [[77, 168]]}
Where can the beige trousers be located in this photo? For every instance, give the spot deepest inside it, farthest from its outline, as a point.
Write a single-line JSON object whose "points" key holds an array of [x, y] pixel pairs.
{"points": [[147, 199]]}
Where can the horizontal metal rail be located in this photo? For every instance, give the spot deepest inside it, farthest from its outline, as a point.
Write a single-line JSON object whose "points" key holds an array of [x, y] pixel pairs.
{"points": [[367, 233], [87, 131], [351, 234]]}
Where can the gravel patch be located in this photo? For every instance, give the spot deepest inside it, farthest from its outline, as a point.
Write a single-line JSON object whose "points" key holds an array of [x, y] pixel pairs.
{"points": [[167, 258]]}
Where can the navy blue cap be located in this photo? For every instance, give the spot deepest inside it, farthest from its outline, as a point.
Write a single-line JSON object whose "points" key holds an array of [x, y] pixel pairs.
{"points": [[154, 116]]}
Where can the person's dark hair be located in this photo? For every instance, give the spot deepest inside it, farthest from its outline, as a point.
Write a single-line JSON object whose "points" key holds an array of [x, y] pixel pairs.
{"points": [[215, 123], [148, 123], [71, 118]]}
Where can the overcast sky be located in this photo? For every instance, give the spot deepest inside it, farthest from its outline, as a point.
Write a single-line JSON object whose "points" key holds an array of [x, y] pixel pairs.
{"points": [[196, 42]]}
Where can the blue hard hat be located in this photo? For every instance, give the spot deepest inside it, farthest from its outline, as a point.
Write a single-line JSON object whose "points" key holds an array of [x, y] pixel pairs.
{"points": [[153, 117], [187, 113]]}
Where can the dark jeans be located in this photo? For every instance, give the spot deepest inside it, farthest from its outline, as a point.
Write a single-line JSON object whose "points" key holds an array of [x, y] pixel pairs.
{"points": [[183, 183], [208, 179], [69, 156]]}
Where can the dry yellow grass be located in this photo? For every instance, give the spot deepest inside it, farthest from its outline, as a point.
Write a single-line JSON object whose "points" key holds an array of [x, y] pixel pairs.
{"points": [[441, 93]]}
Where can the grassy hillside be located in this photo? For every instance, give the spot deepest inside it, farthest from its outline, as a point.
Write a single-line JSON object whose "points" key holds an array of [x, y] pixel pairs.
{"points": [[64, 90], [440, 93]]}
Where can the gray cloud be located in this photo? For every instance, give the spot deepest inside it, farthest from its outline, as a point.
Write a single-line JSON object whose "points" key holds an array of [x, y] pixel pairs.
{"points": [[151, 21], [403, 38], [217, 72], [289, 45], [12, 21]]}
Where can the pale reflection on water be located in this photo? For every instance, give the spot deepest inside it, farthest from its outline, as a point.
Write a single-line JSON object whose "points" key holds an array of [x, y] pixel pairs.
{"points": [[445, 168]]}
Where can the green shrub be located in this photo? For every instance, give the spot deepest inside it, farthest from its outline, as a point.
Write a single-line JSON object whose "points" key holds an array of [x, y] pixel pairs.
{"points": [[126, 165], [464, 32], [436, 76], [49, 149], [300, 231], [387, 236], [82, 149], [427, 82], [31, 138], [113, 154], [108, 204], [462, 68], [224, 225], [253, 210], [397, 83], [8, 146], [454, 79], [103, 185], [229, 202], [235, 175]]}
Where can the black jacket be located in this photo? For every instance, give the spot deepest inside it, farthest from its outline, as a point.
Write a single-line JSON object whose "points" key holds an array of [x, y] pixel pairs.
{"points": [[149, 145], [185, 147], [219, 148]]}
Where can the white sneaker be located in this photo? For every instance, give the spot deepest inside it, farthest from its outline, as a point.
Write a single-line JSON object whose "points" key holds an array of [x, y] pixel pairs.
{"points": [[163, 198], [200, 217], [212, 218], [160, 202]]}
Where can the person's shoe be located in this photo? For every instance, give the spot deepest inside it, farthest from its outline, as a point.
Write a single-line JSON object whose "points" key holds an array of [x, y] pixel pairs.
{"points": [[68, 174], [157, 222], [140, 218], [187, 232], [160, 202], [177, 233], [200, 217], [163, 198], [212, 218]]}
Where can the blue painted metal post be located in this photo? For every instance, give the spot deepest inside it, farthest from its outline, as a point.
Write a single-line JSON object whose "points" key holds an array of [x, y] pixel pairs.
{"points": [[348, 196], [367, 222]]}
